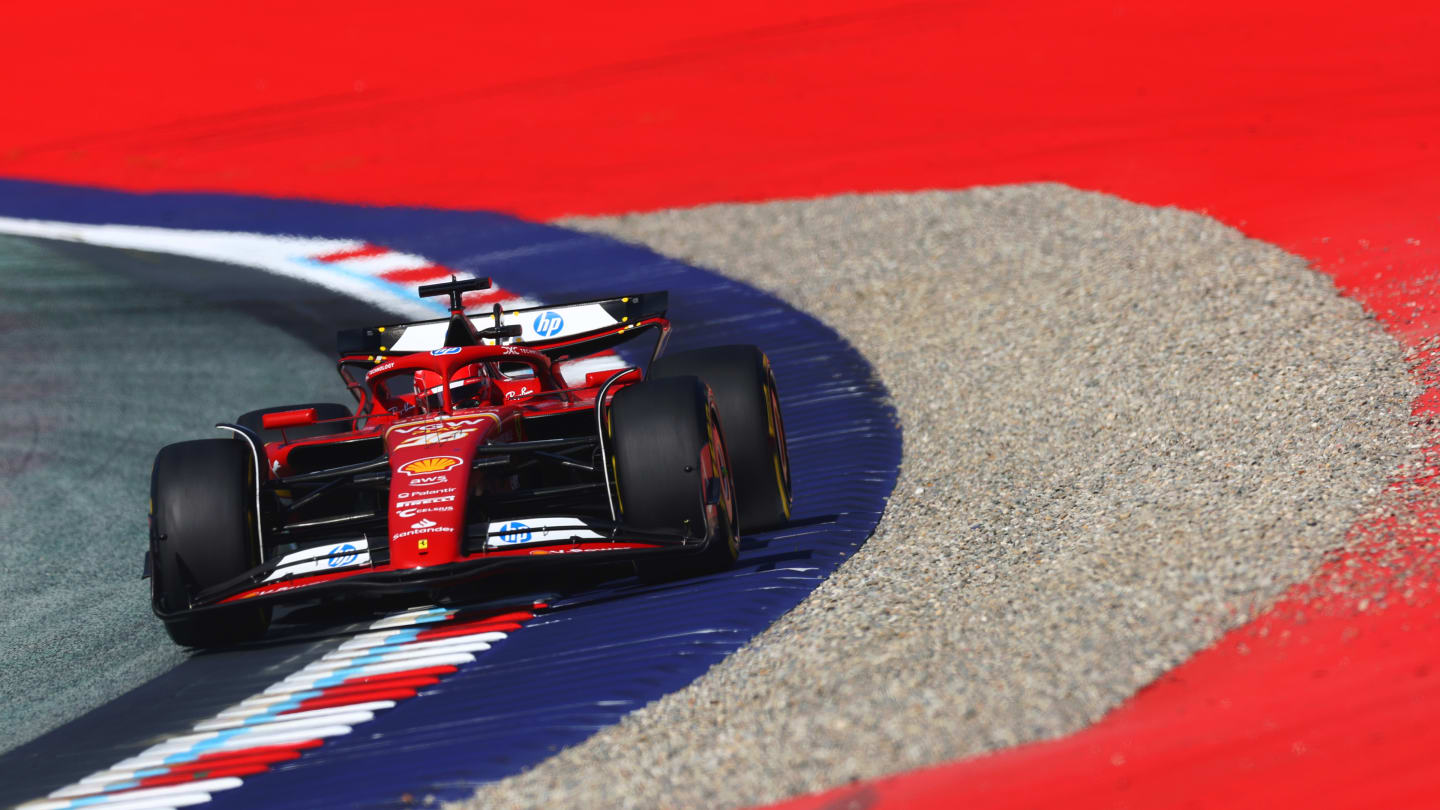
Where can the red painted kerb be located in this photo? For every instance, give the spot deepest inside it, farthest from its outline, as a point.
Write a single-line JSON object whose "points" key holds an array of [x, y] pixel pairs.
{"points": [[1315, 126]]}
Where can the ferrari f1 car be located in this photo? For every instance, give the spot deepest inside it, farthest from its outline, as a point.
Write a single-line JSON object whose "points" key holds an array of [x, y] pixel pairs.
{"points": [[478, 445]]}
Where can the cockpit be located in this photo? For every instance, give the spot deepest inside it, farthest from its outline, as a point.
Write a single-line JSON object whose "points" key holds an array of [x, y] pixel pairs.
{"points": [[422, 391]]}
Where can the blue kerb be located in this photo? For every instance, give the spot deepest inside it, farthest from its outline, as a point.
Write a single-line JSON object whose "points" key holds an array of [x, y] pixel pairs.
{"points": [[603, 653]]}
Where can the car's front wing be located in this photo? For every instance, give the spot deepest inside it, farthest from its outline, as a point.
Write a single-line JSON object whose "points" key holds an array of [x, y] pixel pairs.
{"points": [[359, 567]]}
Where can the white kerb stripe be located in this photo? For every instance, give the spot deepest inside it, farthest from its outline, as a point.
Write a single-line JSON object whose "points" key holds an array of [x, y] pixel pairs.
{"points": [[411, 617], [330, 713], [203, 786], [260, 703], [454, 659], [153, 760], [368, 639], [462, 643], [189, 741], [143, 761], [418, 655], [157, 803]]}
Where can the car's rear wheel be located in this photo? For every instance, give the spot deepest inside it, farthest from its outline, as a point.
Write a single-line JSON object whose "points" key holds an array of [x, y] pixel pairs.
{"points": [[671, 472], [203, 533], [749, 407], [323, 411]]}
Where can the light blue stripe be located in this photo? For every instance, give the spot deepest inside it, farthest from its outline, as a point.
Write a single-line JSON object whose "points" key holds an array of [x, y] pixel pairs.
{"points": [[218, 740], [340, 676], [269, 714], [433, 615]]}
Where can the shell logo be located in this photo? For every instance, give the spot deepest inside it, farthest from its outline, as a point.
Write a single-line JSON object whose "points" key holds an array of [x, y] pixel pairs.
{"points": [[433, 464]]}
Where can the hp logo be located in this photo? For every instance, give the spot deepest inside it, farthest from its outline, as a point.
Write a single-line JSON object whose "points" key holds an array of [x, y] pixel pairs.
{"points": [[346, 556], [522, 533], [548, 324]]}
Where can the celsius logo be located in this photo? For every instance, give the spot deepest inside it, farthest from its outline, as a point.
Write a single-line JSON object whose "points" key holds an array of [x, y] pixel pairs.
{"points": [[521, 533], [423, 523], [341, 555], [447, 350], [548, 324]]}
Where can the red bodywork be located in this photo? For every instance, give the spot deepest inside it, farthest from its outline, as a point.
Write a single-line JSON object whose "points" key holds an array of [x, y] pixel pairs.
{"points": [[433, 440]]}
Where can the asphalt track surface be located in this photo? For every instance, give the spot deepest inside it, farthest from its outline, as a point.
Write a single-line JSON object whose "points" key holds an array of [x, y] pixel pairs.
{"points": [[111, 355]]}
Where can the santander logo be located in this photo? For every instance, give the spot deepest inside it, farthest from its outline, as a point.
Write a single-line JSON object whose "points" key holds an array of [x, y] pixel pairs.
{"points": [[423, 523]]}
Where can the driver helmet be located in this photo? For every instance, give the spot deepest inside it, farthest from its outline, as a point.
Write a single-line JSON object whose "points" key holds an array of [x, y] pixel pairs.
{"points": [[429, 387], [469, 387]]}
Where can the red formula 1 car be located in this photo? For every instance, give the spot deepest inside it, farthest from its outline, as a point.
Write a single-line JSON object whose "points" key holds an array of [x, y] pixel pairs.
{"points": [[480, 445]]}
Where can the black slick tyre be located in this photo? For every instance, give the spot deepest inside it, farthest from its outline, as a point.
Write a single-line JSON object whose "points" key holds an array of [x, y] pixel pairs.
{"points": [[203, 533], [670, 472], [749, 407], [323, 411]]}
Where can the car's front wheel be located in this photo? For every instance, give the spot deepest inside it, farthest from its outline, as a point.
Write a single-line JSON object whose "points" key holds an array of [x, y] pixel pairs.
{"points": [[203, 532], [671, 472]]}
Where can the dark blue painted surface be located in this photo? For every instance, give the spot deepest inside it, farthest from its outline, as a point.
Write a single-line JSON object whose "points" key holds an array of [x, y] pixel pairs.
{"points": [[602, 653]]}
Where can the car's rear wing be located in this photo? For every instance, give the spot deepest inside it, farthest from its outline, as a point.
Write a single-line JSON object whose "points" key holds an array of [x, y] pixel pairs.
{"points": [[542, 327]]}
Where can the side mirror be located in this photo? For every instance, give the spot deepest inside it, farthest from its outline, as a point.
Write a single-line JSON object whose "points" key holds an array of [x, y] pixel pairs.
{"points": [[284, 419], [598, 378]]}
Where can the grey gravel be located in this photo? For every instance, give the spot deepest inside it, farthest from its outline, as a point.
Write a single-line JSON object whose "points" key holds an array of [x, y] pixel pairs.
{"points": [[1126, 430], [100, 373]]}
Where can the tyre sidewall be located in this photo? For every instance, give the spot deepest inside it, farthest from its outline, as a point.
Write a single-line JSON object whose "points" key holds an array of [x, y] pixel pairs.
{"points": [[203, 533], [667, 446]]}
